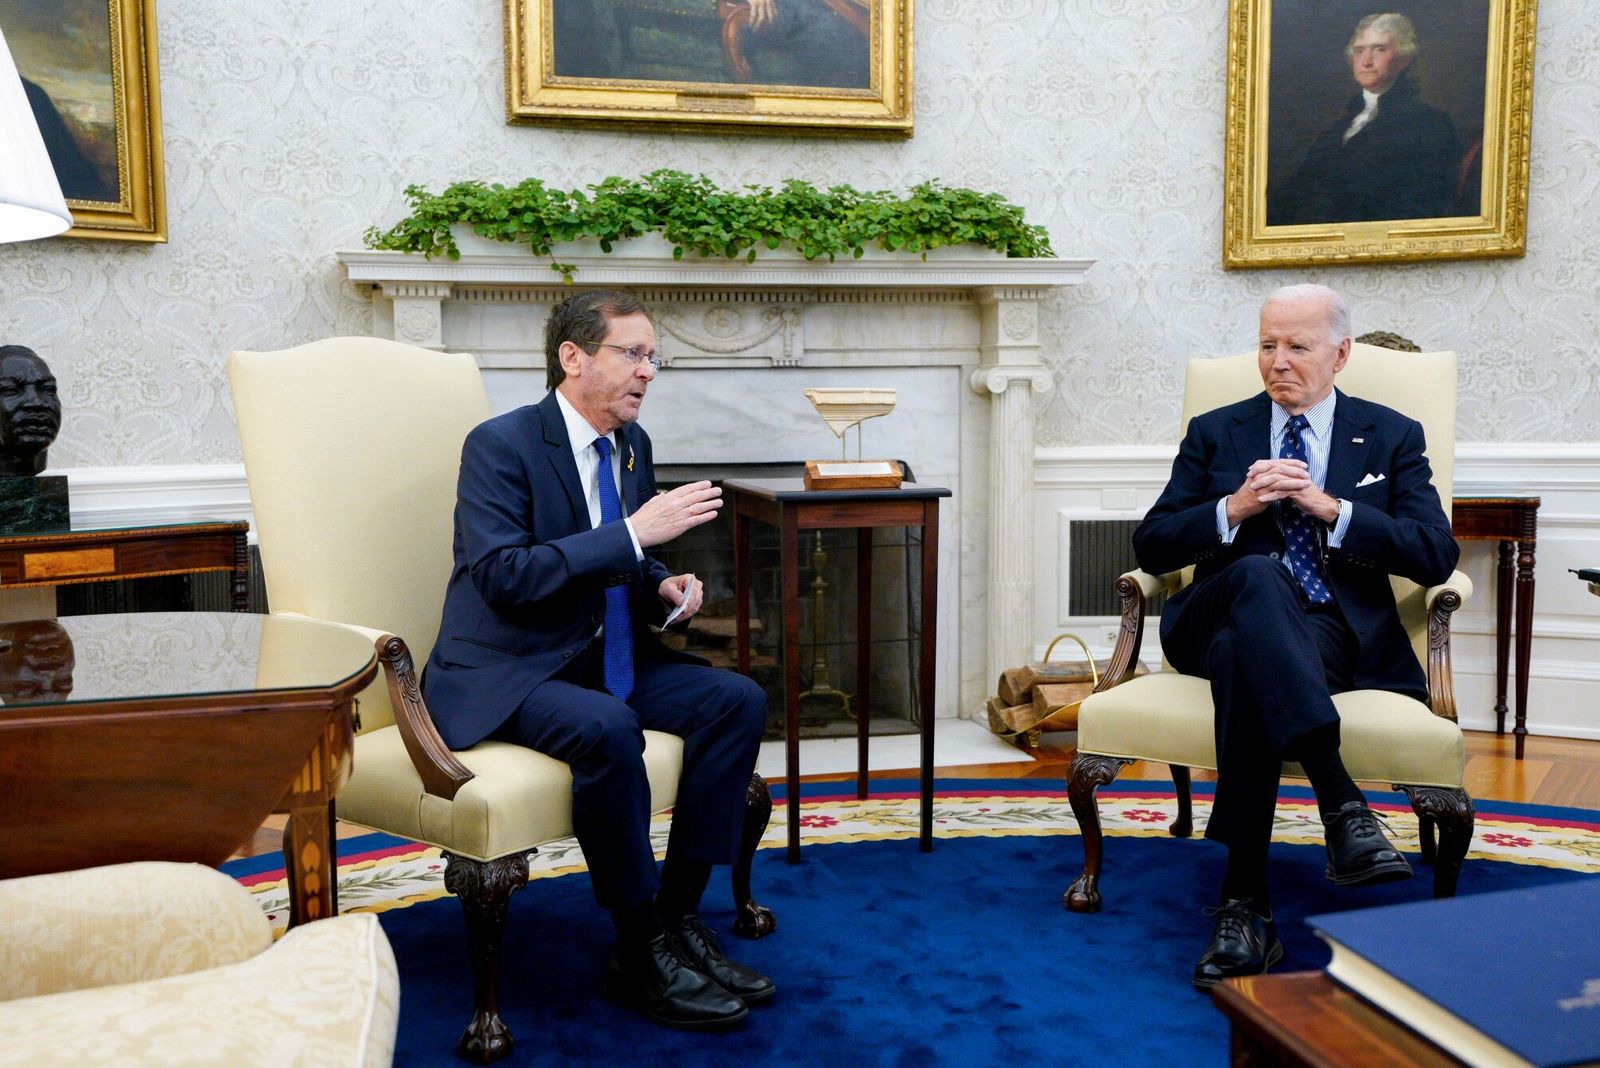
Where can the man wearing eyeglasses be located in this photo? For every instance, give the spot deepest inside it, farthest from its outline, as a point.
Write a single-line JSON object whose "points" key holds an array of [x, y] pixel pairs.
{"points": [[545, 642]]}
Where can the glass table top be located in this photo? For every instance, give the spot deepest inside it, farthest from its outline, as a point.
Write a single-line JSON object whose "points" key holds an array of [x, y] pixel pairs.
{"points": [[133, 656]]}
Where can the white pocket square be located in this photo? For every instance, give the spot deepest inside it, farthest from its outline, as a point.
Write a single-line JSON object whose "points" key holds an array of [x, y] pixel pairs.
{"points": [[1369, 479]]}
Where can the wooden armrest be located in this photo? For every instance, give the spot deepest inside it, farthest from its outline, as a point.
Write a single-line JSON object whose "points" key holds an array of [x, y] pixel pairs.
{"points": [[1458, 582], [442, 774], [1134, 587], [1442, 600]]}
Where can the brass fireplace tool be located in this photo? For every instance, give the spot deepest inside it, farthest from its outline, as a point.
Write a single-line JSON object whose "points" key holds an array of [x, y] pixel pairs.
{"points": [[821, 683]]}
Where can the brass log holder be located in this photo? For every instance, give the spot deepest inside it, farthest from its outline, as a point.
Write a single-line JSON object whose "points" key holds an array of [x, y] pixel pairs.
{"points": [[821, 680]]}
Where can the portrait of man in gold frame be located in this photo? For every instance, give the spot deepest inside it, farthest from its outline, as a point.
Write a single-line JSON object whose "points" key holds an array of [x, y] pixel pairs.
{"points": [[1376, 130], [89, 69], [779, 66]]}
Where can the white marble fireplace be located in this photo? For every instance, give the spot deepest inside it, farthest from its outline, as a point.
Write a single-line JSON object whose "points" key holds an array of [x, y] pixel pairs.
{"points": [[956, 336]]}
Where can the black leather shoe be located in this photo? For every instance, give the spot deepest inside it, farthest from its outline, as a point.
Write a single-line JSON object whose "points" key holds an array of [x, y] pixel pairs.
{"points": [[1358, 852], [1244, 943], [656, 981], [695, 943]]}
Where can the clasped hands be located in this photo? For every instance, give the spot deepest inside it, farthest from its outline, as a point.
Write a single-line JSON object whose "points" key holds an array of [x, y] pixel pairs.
{"points": [[665, 516], [1280, 480]]}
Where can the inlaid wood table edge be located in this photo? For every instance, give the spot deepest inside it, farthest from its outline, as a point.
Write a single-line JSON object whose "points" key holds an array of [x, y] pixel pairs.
{"points": [[788, 506], [1307, 1020], [1513, 522], [309, 835], [71, 557]]}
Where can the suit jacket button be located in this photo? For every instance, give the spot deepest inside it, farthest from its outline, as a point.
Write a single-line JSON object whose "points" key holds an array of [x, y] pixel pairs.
{"points": [[1275, 556], [566, 653]]}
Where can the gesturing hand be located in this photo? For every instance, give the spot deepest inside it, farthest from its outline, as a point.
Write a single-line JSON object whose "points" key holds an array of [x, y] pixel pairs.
{"points": [[666, 515]]}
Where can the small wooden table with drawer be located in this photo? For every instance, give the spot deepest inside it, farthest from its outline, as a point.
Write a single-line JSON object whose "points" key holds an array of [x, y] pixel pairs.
{"points": [[43, 561]]}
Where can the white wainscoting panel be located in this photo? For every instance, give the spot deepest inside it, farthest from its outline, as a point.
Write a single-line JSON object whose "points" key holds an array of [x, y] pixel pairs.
{"points": [[1121, 482]]}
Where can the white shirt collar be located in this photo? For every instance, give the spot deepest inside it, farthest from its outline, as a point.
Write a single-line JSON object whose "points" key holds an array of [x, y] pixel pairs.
{"points": [[1370, 99], [579, 431], [1319, 417]]}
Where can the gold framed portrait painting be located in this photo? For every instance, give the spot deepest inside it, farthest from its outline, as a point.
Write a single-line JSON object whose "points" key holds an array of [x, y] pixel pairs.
{"points": [[89, 70], [1376, 131], [775, 66]]}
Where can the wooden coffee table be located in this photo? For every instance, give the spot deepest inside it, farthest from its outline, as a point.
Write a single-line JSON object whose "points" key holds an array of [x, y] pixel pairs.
{"points": [[1305, 1018], [171, 736]]}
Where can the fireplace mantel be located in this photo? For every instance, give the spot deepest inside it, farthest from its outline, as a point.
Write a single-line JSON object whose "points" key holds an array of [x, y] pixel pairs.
{"points": [[958, 334]]}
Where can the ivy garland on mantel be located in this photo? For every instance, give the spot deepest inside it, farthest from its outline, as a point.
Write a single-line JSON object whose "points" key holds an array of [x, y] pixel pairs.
{"points": [[698, 217]]}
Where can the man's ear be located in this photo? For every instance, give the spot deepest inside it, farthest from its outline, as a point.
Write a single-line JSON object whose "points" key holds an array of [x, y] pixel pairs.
{"points": [[1344, 356], [571, 355]]}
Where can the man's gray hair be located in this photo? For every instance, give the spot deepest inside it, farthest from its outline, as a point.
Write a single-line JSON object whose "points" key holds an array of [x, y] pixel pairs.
{"points": [[1396, 25], [1338, 311]]}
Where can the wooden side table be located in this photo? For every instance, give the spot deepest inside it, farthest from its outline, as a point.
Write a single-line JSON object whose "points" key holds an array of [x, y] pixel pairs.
{"points": [[44, 561], [1509, 521], [1305, 1019], [786, 504]]}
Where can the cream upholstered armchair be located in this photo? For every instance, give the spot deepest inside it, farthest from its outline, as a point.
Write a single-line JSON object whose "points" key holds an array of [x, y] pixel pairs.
{"points": [[155, 963], [1384, 737], [351, 450]]}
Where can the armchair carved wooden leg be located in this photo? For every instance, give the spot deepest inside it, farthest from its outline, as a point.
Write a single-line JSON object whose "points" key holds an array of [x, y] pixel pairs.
{"points": [[1088, 773], [1451, 809], [752, 920], [485, 888], [1183, 826]]}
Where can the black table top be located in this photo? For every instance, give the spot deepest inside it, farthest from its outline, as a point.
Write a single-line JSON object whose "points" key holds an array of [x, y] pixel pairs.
{"points": [[793, 490]]}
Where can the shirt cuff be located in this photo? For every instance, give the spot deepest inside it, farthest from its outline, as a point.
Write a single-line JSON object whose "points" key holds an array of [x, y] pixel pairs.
{"points": [[1224, 531], [1340, 525], [638, 552]]}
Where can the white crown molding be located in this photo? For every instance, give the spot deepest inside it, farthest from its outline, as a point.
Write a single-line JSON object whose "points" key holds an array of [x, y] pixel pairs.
{"points": [[176, 493]]}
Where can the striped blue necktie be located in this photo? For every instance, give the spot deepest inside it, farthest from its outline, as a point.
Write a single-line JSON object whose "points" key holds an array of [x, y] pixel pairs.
{"points": [[618, 638], [1299, 529]]}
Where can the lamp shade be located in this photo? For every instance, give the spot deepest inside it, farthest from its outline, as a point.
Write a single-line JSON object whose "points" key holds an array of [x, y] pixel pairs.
{"points": [[31, 204]]}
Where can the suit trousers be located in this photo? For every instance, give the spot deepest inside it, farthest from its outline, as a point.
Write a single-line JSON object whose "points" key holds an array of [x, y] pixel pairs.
{"points": [[719, 715], [1274, 662]]}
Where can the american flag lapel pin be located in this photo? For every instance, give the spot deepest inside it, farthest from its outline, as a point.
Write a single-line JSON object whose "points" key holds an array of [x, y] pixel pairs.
{"points": [[630, 457], [1353, 441]]}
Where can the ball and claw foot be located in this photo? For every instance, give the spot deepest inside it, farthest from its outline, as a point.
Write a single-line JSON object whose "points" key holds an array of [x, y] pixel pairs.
{"points": [[1082, 896], [486, 1039], [754, 921]]}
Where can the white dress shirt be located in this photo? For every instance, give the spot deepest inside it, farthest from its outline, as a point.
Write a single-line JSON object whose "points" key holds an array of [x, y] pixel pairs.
{"points": [[587, 457]]}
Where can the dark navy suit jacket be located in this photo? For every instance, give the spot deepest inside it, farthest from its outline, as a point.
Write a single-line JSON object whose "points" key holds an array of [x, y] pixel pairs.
{"points": [[1397, 525], [527, 589]]}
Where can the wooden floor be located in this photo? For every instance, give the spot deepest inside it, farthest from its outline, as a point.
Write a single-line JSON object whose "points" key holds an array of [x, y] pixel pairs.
{"points": [[1553, 771]]}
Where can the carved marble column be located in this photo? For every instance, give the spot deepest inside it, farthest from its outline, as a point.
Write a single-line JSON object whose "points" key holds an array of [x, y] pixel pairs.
{"points": [[417, 317], [1011, 373]]}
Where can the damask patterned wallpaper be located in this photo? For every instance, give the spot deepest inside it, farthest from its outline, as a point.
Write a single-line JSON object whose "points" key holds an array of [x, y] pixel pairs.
{"points": [[292, 126]]}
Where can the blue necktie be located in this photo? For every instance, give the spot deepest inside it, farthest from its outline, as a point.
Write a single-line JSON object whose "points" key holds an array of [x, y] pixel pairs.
{"points": [[1299, 529], [618, 639]]}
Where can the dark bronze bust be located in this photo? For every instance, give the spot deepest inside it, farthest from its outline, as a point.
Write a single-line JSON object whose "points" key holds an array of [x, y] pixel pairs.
{"points": [[30, 411]]}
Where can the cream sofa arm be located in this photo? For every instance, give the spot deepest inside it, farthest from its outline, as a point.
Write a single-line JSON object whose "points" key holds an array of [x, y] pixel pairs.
{"points": [[327, 993], [1458, 581], [122, 923]]}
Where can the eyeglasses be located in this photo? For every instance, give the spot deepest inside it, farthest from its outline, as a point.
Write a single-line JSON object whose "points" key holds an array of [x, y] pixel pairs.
{"points": [[632, 353]]}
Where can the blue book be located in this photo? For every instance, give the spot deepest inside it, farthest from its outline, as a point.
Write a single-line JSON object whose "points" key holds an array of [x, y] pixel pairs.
{"points": [[1507, 978]]}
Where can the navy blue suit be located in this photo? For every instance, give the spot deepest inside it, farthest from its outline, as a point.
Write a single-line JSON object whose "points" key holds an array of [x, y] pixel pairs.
{"points": [[517, 657], [1243, 623]]}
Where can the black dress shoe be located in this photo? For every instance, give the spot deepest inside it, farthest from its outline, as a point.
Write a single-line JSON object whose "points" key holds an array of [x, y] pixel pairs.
{"points": [[1357, 850], [1244, 943], [656, 981], [695, 943]]}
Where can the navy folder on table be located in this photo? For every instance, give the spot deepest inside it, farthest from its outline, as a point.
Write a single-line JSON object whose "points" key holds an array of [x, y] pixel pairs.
{"points": [[1502, 978]]}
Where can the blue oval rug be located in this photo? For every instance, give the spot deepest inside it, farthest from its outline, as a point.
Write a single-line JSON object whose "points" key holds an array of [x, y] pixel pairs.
{"points": [[888, 956]]}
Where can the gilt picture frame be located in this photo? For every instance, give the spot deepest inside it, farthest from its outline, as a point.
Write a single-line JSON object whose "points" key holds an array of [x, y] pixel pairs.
{"points": [[1320, 169], [821, 67], [90, 71]]}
